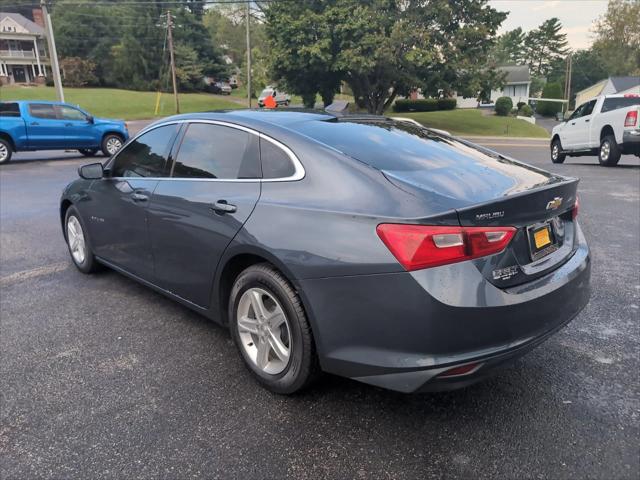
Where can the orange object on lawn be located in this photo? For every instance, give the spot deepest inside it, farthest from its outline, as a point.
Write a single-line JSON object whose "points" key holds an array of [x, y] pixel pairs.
{"points": [[270, 102]]}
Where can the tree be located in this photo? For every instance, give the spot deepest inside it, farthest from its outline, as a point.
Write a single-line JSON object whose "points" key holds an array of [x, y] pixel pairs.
{"points": [[381, 48], [617, 42], [549, 109], [545, 45], [509, 48], [78, 72]]}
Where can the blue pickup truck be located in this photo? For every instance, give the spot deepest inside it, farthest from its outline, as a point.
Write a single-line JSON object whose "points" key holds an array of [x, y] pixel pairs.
{"points": [[39, 125]]}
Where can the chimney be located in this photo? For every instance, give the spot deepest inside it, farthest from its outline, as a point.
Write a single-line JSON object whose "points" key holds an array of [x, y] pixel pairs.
{"points": [[37, 16]]}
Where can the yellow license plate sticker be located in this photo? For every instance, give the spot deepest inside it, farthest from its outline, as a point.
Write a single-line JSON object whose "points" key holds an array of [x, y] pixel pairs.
{"points": [[541, 237]]}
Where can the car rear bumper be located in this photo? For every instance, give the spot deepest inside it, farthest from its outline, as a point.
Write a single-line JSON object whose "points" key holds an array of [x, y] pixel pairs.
{"points": [[400, 331], [631, 141]]}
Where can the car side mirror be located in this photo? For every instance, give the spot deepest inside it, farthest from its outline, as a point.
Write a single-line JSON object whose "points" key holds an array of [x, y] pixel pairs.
{"points": [[93, 171], [90, 119]]}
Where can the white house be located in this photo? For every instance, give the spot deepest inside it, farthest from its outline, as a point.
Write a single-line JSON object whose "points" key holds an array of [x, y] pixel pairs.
{"points": [[23, 56], [517, 83], [609, 86]]}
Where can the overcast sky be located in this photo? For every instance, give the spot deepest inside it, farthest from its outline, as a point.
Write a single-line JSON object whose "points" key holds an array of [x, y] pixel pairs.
{"points": [[577, 16]]}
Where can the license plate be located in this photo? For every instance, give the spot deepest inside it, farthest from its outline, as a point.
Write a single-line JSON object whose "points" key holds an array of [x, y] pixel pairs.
{"points": [[542, 238]]}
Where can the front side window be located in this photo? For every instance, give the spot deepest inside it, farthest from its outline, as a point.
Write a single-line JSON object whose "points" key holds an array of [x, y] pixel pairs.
{"points": [[275, 161], [69, 113], [42, 110], [588, 109], [216, 151], [579, 112], [146, 156]]}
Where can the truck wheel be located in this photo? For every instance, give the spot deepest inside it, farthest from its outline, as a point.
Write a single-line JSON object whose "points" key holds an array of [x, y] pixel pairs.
{"points": [[88, 152], [556, 151], [609, 153], [5, 151], [111, 143]]}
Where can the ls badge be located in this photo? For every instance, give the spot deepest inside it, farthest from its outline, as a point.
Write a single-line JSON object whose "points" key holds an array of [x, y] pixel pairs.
{"points": [[554, 204]]}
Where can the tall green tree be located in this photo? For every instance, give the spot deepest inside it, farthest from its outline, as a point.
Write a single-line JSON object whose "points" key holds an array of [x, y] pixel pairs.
{"points": [[545, 45], [381, 48], [509, 48], [617, 40]]}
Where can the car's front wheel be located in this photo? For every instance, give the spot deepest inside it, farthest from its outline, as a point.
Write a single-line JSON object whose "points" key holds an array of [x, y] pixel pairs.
{"points": [[78, 243], [111, 143], [556, 151], [271, 330], [609, 153], [88, 152], [5, 151]]}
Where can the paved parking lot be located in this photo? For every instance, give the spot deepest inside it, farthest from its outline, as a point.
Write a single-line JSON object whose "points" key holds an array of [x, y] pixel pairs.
{"points": [[103, 378]]}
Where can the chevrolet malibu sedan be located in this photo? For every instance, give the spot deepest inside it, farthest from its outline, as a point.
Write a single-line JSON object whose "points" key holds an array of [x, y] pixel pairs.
{"points": [[365, 247]]}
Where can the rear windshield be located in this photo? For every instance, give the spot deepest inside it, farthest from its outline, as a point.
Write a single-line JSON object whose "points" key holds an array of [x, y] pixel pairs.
{"points": [[9, 109], [615, 103], [385, 145]]}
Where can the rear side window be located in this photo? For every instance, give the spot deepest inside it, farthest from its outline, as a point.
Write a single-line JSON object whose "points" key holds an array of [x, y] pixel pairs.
{"points": [[9, 110], [216, 151], [42, 110], [146, 156], [275, 161], [619, 102]]}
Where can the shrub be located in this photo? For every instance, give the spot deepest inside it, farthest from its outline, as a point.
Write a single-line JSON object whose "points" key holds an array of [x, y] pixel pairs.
{"points": [[526, 111], [549, 109], [503, 106], [446, 103], [78, 72]]}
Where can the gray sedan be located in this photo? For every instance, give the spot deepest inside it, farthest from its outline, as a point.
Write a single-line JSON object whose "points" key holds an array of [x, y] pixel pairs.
{"points": [[362, 246]]}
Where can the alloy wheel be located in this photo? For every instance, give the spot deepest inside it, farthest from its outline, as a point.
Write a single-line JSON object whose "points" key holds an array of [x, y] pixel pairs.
{"points": [[264, 331], [605, 150], [4, 152], [554, 151], [113, 145], [75, 238]]}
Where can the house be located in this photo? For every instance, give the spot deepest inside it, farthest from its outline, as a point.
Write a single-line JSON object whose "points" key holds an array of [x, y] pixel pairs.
{"points": [[517, 83], [609, 86], [23, 56]]}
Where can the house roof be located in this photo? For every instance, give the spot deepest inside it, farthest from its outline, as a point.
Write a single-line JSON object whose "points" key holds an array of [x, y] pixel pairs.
{"points": [[516, 73], [624, 83], [27, 24]]}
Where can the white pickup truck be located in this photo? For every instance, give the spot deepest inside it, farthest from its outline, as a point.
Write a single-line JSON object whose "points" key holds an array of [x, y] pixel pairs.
{"points": [[606, 126]]}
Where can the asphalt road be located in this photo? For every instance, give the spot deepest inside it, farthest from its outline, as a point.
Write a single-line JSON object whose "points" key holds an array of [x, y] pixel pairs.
{"points": [[103, 378]]}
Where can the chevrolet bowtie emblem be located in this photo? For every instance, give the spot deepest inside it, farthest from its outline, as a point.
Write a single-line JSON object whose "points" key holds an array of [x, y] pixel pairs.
{"points": [[554, 204]]}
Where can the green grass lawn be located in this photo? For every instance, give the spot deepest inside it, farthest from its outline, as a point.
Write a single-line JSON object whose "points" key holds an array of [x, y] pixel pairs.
{"points": [[124, 104], [473, 122]]}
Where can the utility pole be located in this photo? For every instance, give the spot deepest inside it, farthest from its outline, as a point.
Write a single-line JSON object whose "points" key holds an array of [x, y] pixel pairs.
{"points": [[248, 55], [173, 63], [567, 81], [53, 54]]}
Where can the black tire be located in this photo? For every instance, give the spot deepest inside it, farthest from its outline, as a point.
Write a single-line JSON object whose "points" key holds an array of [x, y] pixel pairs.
{"points": [[107, 142], [88, 152], [89, 264], [557, 155], [609, 152], [302, 368], [5, 151]]}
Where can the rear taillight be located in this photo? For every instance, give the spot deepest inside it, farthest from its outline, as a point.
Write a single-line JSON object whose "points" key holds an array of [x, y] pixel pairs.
{"points": [[461, 371], [425, 246], [631, 119], [575, 209]]}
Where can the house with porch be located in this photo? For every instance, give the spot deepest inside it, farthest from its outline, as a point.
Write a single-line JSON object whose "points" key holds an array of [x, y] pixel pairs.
{"points": [[23, 54]]}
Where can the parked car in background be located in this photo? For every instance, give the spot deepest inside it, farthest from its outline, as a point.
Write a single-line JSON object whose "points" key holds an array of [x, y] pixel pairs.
{"points": [[281, 98], [225, 88], [606, 126], [39, 125], [363, 246]]}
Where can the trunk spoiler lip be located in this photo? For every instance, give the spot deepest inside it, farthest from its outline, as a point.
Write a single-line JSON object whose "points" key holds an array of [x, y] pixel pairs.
{"points": [[565, 181]]}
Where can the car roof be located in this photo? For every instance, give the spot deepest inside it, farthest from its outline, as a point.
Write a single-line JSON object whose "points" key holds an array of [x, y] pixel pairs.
{"points": [[258, 118]]}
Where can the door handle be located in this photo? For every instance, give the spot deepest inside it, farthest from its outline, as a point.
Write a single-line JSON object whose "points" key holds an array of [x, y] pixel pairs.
{"points": [[139, 197], [587, 120], [221, 207], [35, 123], [573, 123], [68, 124]]}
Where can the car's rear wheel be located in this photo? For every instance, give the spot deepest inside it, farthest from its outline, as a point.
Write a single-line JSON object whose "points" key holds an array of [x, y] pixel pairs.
{"points": [[609, 153], [271, 330], [78, 243], [5, 151], [88, 152], [111, 143], [556, 151]]}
